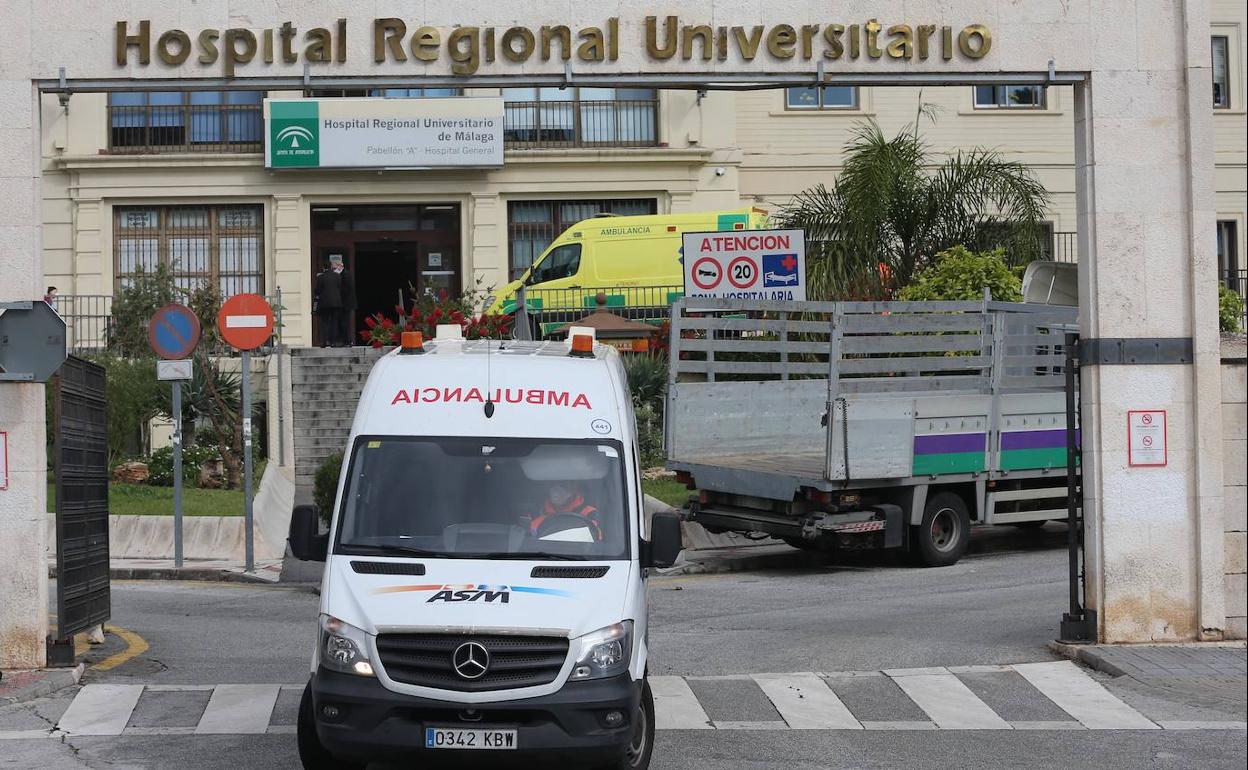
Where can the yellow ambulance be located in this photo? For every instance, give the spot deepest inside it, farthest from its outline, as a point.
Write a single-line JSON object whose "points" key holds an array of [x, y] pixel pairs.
{"points": [[635, 261]]}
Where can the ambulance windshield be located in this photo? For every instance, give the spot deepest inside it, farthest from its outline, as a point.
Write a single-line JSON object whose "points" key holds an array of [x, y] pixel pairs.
{"points": [[485, 498]]}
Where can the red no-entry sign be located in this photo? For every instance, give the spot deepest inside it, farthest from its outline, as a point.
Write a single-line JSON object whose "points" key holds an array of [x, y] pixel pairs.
{"points": [[245, 321]]}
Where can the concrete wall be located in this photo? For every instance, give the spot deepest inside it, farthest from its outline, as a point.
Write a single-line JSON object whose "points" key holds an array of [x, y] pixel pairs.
{"points": [[1235, 490]]}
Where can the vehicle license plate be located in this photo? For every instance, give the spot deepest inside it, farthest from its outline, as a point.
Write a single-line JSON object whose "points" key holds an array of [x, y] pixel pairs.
{"points": [[455, 738]]}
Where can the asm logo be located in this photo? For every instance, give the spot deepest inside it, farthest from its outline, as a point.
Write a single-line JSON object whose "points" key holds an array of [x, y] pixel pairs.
{"points": [[486, 594], [472, 592]]}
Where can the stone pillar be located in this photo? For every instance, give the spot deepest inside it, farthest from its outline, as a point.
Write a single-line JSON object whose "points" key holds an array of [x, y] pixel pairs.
{"points": [[484, 254], [23, 517], [292, 267], [1144, 165]]}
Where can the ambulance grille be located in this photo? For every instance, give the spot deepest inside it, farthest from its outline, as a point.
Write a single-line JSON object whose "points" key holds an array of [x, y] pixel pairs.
{"points": [[568, 572], [425, 660], [387, 568]]}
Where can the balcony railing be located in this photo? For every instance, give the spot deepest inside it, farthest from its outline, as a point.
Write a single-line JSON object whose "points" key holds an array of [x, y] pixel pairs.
{"points": [[552, 125], [185, 128]]}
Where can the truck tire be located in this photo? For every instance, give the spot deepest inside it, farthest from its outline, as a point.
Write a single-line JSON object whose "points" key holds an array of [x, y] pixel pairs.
{"points": [[312, 754], [641, 745], [945, 533]]}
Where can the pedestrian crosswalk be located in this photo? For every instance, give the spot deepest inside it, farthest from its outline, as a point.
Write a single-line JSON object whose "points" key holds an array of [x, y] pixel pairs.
{"points": [[1028, 696]]}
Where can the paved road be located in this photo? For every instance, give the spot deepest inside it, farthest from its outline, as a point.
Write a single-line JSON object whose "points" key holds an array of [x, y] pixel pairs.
{"points": [[835, 634]]}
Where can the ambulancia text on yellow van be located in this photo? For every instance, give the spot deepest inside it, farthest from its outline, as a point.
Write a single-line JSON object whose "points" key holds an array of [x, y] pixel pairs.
{"points": [[634, 261]]}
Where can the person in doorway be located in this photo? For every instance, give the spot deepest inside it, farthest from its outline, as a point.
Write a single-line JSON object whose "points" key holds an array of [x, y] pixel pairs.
{"points": [[333, 300], [565, 498]]}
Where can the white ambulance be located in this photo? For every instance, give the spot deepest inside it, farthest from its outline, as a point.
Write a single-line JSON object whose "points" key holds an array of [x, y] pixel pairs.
{"points": [[484, 594]]}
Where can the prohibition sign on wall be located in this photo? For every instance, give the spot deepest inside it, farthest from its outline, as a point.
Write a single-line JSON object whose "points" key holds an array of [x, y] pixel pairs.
{"points": [[742, 272], [707, 273], [173, 331]]}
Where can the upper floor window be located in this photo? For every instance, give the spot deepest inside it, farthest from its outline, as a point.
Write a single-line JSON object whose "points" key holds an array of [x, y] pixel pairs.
{"points": [[578, 117], [185, 121], [1221, 71], [1009, 97], [385, 93], [823, 98]]}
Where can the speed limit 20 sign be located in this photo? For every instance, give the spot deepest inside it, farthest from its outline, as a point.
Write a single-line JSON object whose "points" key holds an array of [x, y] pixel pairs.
{"points": [[746, 264]]}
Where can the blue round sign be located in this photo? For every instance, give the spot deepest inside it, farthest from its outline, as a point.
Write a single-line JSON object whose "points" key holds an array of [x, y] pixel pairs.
{"points": [[173, 331]]}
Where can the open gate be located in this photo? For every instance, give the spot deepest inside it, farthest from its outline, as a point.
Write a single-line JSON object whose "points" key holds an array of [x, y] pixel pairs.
{"points": [[81, 469]]}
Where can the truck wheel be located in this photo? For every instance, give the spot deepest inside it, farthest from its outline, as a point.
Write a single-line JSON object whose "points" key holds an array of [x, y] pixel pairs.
{"points": [[641, 745], [312, 754], [945, 533]]}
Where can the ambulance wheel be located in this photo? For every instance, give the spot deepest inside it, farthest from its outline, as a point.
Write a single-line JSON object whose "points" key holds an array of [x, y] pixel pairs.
{"points": [[641, 745], [312, 754], [945, 533]]}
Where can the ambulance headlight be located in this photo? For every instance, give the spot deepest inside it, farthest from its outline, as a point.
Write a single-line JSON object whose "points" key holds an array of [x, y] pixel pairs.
{"points": [[603, 653], [344, 647]]}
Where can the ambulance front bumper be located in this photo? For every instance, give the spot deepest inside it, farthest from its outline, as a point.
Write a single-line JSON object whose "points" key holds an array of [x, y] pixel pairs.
{"points": [[369, 722]]}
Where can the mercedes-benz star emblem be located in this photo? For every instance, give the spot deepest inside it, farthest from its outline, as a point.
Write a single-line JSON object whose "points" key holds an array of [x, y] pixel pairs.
{"points": [[471, 660]]}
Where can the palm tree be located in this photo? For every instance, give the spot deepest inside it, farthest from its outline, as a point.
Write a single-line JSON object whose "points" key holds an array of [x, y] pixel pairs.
{"points": [[894, 206]]}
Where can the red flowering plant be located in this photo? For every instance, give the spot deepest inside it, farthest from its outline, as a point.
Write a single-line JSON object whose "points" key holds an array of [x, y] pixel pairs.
{"points": [[427, 311]]}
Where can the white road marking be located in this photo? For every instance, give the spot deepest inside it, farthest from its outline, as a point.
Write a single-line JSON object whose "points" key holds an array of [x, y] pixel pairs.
{"points": [[100, 709], [675, 705], [23, 735], [898, 725], [1047, 726], [238, 709], [949, 702], [806, 702], [768, 725], [159, 731], [1181, 725], [1082, 697], [245, 321]]}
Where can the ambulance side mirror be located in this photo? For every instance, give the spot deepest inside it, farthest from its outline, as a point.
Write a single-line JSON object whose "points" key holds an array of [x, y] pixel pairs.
{"points": [[306, 541], [665, 540]]}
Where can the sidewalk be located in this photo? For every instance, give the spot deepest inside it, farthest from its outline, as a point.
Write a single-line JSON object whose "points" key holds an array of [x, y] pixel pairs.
{"points": [[212, 570], [1213, 675], [19, 686]]}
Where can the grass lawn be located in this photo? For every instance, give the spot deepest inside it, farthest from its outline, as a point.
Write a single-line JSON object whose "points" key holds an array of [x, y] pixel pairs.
{"points": [[142, 500], [668, 489]]}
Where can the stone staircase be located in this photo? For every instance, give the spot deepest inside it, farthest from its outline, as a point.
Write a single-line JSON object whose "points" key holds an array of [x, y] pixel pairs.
{"points": [[326, 385]]}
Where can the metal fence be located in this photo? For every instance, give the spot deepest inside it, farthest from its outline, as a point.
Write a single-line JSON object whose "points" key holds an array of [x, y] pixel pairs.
{"points": [[1065, 247], [89, 324], [612, 123], [550, 309], [185, 128]]}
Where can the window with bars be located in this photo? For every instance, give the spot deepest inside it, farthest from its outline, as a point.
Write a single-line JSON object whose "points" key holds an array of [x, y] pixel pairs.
{"points": [[534, 225], [822, 98], [220, 246], [536, 118], [1009, 97], [185, 121]]}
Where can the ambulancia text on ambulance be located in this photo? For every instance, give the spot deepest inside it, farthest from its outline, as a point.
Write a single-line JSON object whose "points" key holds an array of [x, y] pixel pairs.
{"points": [[484, 589]]}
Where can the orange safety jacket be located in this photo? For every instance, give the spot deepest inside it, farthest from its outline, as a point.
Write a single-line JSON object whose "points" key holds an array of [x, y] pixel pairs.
{"points": [[577, 506]]}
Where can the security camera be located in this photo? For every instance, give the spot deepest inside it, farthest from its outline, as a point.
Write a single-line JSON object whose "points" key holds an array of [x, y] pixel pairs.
{"points": [[720, 171]]}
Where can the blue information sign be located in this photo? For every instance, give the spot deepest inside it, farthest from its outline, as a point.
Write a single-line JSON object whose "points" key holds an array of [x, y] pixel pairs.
{"points": [[173, 331]]}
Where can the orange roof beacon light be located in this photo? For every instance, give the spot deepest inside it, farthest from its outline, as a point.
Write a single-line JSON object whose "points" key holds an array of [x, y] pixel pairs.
{"points": [[582, 345], [412, 342]]}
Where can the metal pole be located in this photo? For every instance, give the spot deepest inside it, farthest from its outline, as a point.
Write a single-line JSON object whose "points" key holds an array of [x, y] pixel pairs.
{"points": [[1072, 532], [247, 516], [281, 388], [177, 474], [521, 329]]}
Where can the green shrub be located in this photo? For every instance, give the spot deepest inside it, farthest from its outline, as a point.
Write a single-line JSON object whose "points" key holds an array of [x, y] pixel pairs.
{"points": [[647, 378], [133, 394], [650, 436], [961, 275], [325, 485], [1230, 309], [160, 465]]}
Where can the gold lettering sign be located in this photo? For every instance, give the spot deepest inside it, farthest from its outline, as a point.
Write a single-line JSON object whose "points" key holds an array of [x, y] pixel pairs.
{"points": [[468, 47]]}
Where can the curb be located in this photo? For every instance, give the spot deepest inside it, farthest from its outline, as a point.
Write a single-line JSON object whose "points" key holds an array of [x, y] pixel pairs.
{"points": [[54, 679], [203, 575], [1085, 653]]}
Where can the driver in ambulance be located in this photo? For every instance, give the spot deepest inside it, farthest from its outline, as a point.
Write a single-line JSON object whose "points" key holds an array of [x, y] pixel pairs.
{"points": [[565, 498]]}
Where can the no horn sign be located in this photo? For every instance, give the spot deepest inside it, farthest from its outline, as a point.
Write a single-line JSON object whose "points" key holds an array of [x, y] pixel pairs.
{"points": [[746, 264]]}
